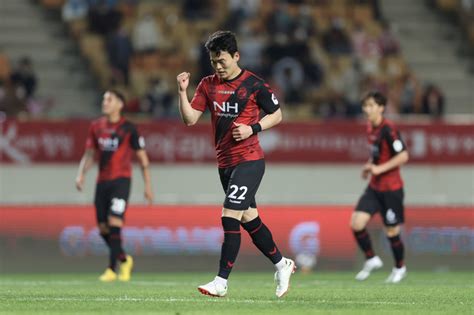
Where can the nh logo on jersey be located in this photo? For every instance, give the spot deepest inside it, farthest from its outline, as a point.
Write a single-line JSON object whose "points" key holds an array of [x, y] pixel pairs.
{"points": [[226, 109], [109, 144]]}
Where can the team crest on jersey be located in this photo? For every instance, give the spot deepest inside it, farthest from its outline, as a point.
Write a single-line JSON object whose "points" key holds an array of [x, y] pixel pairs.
{"points": [[242, 93]]}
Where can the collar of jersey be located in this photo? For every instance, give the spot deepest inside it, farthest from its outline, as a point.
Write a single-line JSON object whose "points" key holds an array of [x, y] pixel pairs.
{"points": [[237, 77]]}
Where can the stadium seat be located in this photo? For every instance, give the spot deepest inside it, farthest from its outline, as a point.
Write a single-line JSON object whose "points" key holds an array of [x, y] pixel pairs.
{"points": [[5, 69], [447, 5], [52, 4]]}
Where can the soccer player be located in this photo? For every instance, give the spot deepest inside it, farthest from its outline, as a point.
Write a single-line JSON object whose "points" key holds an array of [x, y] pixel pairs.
{"points": [[236, 99], [114, 139], [384, 193]]}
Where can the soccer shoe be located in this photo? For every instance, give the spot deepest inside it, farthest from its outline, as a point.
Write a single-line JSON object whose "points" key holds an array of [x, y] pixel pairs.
{"points": [[282, 277], [369, 266], [126, 269], [397, 275], [213, 288], [108, 276]]}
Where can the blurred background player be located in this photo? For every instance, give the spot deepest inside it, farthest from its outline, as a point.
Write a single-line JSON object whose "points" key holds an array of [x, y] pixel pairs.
{"points": [[384, 193], [236, 98], [114, 139]]}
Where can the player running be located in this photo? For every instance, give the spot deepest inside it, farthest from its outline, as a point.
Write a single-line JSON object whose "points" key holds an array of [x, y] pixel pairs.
{"points": [[236, 98], [114, 139], [384, 193]]}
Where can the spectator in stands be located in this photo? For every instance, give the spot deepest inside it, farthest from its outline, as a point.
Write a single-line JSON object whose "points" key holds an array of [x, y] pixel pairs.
{"points": [[197, 9], [23, 79], [10, 104], [387, 41], [280, 21], [366, 49], [252, 45], [204, 66], [146, 34], [119, 51], [240, 11], [409, 94], [375, 5], [158, 100], [104, 17], [74, 10], [432, 101], [304, 26], [335, 40], [288, 74], [344, 88]]}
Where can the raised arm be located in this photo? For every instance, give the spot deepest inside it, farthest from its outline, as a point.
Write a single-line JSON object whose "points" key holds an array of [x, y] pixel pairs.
{"points": [[144, 165], [188, 114], [87, 161]]}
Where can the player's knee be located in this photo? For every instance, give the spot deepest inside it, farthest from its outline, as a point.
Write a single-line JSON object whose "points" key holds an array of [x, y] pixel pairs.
{"points": [[356, 224], [249, 215], [235, 214], [392, 231], [115, 221]]}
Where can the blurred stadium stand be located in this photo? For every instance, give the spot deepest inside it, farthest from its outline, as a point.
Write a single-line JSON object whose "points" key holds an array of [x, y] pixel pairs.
{"points": [[328, 51], [63, 84]]}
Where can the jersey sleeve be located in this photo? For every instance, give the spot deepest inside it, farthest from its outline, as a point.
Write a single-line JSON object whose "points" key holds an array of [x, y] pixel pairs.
{"points": [[266, 99], [199, 100], [91, 141], [394, 140], [137, 142]]}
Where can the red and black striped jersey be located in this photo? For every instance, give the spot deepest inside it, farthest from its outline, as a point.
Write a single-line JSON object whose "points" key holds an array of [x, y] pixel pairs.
{"points": [[385, 142], [114, 144], [244, 99]]}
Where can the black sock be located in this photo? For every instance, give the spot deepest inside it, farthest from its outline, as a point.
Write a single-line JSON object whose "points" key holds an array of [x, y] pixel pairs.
{"points": [[363, 239], [397, 249], [116, 250], [230, 246], [263, 239], [106, 238]]}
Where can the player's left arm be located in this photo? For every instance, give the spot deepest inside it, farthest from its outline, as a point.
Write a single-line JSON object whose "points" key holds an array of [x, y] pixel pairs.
{"points": [[398, 150], [267, 101], [137, 142], [144, 165]]}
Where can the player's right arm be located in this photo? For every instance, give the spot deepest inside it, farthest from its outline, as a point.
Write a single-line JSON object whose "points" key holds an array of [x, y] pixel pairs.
{"points": [[188, 114], [86, 163], [366, 169]]}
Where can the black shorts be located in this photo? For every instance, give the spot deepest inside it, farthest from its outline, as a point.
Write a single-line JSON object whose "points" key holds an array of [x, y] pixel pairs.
{"points": [[241, 183], [388, 203], [111, 198]]}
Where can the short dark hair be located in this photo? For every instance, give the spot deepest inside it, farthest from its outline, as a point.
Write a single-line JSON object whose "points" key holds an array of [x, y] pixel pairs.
{"points": [[378, 98], [222, 41], [119, 95]]}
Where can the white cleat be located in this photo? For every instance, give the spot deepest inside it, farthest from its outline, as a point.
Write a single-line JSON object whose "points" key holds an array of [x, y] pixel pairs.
{"points": [[213, 288], [282, 277], [370, 265], [397, 275]]}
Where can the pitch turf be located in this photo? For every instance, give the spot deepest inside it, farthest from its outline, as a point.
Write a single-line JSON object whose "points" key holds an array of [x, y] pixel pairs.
{"points": [[249, 293]]}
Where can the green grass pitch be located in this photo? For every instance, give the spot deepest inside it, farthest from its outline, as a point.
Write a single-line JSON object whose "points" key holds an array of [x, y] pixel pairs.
{"points": [[249, 293]]}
